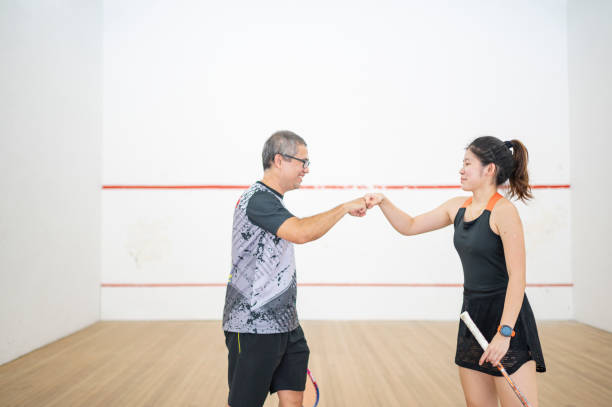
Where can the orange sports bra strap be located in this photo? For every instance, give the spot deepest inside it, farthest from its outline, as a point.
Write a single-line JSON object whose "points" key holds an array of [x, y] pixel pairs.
{"points": [[466, 203], [493, 201]]}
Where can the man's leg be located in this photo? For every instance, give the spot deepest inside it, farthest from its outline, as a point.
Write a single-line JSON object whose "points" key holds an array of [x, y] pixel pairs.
{"points": [[290, 377], [290, 398], [251, 364]]}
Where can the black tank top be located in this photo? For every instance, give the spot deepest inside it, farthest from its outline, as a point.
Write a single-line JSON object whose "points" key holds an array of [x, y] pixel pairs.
{"points": [[481, 250]]}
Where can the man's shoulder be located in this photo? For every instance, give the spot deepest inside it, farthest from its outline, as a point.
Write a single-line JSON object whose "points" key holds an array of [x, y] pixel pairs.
{"points": [[265, 208], [259, 189], [263, 198], [255, 189]]}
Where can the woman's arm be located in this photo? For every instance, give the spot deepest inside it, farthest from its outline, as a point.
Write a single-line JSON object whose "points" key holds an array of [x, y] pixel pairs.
{"points": [[407, 225], [512, 236], [508, 223]]}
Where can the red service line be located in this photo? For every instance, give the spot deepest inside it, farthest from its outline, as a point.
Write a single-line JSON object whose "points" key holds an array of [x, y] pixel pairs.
{"points": [[155, 285], [241, 187], [175, 186]]}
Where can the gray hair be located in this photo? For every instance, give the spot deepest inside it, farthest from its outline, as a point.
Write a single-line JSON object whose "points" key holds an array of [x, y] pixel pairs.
{"points": [[281, 142]]}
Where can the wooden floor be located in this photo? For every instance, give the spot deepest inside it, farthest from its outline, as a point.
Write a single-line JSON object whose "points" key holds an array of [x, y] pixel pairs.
{"points": [[355, 363]]}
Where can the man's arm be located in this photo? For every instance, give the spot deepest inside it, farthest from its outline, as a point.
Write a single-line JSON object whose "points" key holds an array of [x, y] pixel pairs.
{"points": [[304, 230]]}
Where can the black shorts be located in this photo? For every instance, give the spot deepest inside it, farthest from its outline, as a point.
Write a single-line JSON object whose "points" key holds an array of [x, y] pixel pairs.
{"points": [[262, 363]]}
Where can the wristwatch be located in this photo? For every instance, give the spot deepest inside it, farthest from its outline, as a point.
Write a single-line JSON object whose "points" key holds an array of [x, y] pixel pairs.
{"points": [[506, 331]]}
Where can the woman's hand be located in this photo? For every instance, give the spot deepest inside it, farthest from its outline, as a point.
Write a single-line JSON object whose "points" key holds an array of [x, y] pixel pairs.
{"points": [[373, 199], [496, 350]]}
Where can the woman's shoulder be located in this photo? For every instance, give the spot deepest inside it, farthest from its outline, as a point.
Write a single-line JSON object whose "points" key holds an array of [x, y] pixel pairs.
{"points": [[454, 204], [504, 208], [458, 200]]}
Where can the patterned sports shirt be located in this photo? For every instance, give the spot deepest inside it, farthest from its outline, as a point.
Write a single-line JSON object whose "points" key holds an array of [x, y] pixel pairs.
{"points": [[261, 292]]}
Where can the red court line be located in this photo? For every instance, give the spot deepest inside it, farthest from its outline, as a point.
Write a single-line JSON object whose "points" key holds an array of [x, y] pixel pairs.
{"points": [[548, 186], [154, 285], [175, 186], [563, 186], [163, 285]]}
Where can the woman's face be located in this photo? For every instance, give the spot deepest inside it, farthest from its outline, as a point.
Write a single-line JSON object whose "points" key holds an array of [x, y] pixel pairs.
{"points": [[472, 172]]}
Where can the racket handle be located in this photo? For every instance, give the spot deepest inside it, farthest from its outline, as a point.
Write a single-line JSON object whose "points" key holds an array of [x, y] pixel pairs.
{"points": [[465, 317]]}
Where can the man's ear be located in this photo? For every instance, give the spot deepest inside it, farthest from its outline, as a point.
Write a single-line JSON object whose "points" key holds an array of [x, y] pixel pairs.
{"points": [[278, 160]]}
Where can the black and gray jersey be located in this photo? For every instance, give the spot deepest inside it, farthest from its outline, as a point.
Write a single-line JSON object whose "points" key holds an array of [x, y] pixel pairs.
{"points": [[262, 289]]}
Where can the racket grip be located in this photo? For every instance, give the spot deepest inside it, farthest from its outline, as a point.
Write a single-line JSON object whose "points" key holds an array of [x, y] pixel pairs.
{"points": [[465, 317]]}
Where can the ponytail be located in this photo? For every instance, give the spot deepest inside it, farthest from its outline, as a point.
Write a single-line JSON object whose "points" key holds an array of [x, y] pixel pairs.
{"points": [[519, 178]]}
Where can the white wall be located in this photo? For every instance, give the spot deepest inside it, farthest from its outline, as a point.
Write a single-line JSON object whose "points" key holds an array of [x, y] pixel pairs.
{"points": [[169, 237], [590, 78], [384, 93], [50, 166]]}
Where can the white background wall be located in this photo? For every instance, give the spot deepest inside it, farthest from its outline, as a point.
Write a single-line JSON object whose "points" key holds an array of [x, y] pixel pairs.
{"points": [[50, 166], [384, 93], [590, 79]]}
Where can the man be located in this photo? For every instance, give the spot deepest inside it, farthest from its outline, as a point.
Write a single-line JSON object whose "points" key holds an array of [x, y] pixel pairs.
{"points": [[267, 350]]}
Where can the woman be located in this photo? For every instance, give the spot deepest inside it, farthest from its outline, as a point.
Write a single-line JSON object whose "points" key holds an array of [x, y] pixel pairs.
{"points": [[490, 242]]}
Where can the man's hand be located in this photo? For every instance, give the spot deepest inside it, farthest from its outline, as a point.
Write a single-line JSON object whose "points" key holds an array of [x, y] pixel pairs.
{"points": [[373, 200], [356, 207]]}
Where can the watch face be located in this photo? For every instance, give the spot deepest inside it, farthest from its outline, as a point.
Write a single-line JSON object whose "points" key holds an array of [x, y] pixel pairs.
{"points": [[506, 330]]}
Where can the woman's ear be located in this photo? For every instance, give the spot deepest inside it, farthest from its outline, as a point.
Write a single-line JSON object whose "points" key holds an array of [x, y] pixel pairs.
{"points": [[490, 170]]}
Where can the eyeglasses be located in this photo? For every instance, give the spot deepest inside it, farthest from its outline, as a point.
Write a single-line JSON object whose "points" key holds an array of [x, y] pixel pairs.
{"points": [[305, 162]]}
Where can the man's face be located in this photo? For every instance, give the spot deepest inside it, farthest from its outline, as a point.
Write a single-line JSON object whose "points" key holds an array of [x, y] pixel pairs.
{"points": [[293, 170]]}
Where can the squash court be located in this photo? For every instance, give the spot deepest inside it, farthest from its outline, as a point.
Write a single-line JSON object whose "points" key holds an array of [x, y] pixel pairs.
{"points": [[134, 138]]}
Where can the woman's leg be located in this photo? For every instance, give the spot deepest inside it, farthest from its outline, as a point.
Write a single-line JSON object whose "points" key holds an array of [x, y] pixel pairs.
{"points": [[478, 388], [525, 380]]}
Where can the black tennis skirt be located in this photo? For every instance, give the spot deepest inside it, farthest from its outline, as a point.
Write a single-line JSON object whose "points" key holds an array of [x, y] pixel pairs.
{"points": [[486, 309]]}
